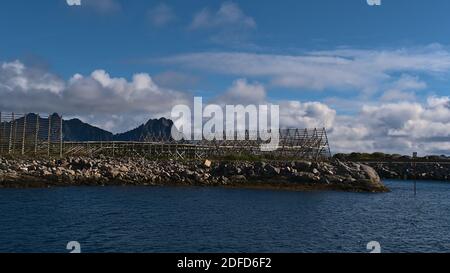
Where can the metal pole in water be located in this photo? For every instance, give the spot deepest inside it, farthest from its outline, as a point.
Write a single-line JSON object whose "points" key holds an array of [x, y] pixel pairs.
{"points": [[414, 173]]}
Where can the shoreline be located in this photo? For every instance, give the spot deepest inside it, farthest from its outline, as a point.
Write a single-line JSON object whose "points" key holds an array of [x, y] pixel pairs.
{"points": [[267, 185], [104, 171], [425, 171]]}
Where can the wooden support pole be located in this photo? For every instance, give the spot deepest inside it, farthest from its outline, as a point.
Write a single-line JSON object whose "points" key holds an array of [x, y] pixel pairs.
{"points": [[4, 132], [4, 135], [24, 131], [36, 136], [11, 134], [49, 137], [16, 126], [61, 136]]}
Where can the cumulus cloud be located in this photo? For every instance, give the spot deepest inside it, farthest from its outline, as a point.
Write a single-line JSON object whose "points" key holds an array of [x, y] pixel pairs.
{"points": [[243, 92], [117, 104], [368, 71], [391, 127], [161, 15], [14, 76], [293, 113], [96, 95], [401, 127], [296, 114]]}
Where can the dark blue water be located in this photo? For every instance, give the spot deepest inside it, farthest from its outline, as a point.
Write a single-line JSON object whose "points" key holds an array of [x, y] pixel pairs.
{"points": [[120, 219]]}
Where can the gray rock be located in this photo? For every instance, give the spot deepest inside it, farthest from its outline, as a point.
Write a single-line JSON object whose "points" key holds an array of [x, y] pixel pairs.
{"points": [[303, 166], [238, 178], [371, 174], [273, 170]]}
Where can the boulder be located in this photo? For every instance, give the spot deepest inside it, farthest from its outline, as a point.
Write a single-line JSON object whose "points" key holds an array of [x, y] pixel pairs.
{"points": [[273, 170], [306, 177], [238, 178], [371, 174], [303, 166]]}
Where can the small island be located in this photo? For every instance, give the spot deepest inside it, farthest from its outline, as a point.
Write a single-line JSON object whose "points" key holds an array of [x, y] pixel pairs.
{"points": [[105, 171], [74, 153]]}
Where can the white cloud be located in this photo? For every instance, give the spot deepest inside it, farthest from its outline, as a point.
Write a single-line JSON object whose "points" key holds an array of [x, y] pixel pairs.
{"points": [[295, 114], [73, 2], [117, 104], [96, 97], [402, 127], [391, 127], [394, 127], [398, 95], [367, 71], [243, 92], [161, 15], [407, 82], [14, 76], [404, 89], [229, 14], [229, 25]]}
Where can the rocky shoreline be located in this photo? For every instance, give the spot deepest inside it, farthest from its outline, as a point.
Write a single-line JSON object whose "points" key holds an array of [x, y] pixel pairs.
{"points": [[421, 170], [81, 171]]}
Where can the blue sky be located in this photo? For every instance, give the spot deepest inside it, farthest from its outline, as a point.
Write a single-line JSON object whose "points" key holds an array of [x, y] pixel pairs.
{"points": [[82, 39], [379, 72]]}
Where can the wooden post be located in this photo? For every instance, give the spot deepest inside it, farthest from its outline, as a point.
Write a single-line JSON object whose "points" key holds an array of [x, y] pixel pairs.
{"points": [[4, 135], [24, 133], [16, 125], [11, 134], [36, 137], [4, 132], [49, 137], [61, 137]]}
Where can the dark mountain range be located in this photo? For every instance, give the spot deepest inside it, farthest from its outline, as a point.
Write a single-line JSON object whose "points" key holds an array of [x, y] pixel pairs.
{"points": [[76, 130]]}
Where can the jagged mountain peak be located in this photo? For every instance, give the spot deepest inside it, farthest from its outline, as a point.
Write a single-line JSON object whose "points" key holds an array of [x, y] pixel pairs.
{"points": [[152, 128]]}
